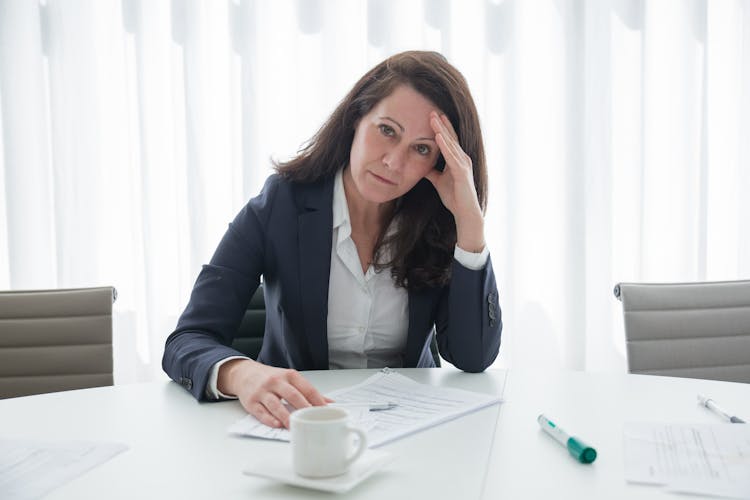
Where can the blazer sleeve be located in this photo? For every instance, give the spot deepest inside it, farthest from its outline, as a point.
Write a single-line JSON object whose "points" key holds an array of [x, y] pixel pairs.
{"points": [[221, 293], [468, 320]]}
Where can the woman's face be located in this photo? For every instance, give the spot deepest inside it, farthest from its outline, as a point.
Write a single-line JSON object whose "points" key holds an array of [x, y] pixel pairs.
{"points": [[394, 146]]}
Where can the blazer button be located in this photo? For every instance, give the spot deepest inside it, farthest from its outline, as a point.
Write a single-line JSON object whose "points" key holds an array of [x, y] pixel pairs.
{"points": [[186, 383]]}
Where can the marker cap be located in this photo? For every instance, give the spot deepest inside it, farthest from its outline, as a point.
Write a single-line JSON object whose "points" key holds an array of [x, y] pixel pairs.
{"points": [[581, 451]]}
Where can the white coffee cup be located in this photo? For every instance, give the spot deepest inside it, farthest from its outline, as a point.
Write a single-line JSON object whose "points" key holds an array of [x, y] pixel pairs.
{"points": [[322, 441]]}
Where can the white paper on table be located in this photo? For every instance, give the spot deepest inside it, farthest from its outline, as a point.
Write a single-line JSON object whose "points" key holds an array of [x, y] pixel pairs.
{"points": [[419, 406], [707, 459], [30, 469], [252, 427]]}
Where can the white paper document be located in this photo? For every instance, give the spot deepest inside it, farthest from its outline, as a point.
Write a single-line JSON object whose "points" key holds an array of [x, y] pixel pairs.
{"points": [[706, 459], [31, 469], [419, 406]]}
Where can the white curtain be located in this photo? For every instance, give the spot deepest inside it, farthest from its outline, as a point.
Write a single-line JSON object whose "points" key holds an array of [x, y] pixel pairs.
{"points": [[132, 131]]}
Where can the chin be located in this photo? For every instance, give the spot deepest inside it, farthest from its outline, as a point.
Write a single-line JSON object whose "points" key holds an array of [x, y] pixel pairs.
{"points": [[376, 192], [378, 196]]}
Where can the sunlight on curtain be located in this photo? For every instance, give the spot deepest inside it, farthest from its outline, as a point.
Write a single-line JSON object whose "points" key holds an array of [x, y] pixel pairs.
{"points": [[132, 131]]}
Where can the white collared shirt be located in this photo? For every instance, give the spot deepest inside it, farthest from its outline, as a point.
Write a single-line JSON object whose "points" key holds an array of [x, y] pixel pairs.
{"points": [[368, 316]]}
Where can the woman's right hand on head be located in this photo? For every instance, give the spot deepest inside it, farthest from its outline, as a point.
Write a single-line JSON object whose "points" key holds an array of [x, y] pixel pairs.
{"points": [[261, 388]]}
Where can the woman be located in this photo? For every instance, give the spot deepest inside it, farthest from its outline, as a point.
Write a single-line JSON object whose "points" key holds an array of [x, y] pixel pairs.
{"points": [[369, 238]]}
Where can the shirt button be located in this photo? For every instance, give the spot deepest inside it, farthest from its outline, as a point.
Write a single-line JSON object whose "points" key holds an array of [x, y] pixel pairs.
{"points": [[361, 329]]}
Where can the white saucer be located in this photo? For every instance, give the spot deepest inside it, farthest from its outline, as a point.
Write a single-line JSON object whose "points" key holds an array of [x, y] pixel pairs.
{"points": [[280, 469]]}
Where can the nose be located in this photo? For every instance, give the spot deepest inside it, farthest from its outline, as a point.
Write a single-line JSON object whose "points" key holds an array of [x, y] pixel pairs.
{"points": [[395, 158]]}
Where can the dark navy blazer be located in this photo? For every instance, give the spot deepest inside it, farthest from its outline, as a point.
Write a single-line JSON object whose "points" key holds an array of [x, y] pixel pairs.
{"points": [[285, 235]]}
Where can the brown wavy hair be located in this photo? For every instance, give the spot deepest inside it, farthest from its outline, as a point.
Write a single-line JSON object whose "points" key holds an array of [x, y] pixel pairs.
{"points": [[421, 247]]}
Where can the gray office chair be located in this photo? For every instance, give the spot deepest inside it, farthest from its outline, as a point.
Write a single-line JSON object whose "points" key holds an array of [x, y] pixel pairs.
{"points": [[697, 330], [55, 340], [249, 337]]}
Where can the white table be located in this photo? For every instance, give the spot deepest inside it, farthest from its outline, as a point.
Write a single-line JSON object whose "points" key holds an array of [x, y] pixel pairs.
{"points": [[526, 463], [180, 449]]}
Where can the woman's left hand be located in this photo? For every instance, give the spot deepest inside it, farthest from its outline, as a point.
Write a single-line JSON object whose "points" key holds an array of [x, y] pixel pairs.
{"points": [[455, 185]]}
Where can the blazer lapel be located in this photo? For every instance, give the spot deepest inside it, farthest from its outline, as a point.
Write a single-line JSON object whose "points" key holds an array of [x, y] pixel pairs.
{"points": [[315, 229]]}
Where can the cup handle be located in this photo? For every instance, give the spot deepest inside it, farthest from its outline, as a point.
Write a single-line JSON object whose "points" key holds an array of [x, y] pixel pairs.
{"points": [[361, 446]]}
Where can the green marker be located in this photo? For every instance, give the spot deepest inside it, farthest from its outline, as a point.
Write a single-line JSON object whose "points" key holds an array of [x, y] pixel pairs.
{"points": [[580, 450]]}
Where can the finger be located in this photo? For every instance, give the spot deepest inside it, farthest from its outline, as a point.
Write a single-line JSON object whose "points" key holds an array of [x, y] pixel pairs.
{"points": [[437, 125], [450, 153], [448, 125], [310, 393], [276, 408], [449, 140], [259, 411], [443, 125], [459, 156], [293, 396]]}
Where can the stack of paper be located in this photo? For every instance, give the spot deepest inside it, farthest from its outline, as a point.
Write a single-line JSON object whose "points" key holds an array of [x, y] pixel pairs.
{"points": [[419, 406], [697, 459], [31, 469]]}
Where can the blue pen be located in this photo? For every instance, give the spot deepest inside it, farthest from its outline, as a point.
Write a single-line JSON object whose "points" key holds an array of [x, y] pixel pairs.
{"points": [[580, 450]]}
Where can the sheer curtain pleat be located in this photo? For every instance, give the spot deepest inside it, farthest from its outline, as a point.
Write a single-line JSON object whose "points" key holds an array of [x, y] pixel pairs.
{"points": [[132, 131], [29, 237]]}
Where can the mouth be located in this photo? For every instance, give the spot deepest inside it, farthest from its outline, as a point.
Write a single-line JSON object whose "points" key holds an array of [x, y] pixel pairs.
{"points": [[383, 180]]}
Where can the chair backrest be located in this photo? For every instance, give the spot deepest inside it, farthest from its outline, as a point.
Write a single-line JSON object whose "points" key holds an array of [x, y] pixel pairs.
{"points": [[55, 340], [249, 337], [697, 330]]}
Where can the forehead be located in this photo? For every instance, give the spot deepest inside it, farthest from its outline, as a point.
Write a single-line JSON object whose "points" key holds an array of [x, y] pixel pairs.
{"points": [[406, 104]]}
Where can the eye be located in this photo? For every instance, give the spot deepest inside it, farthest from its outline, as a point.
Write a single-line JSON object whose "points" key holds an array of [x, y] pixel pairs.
{"points": [[387, 130], [423, 149]]}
